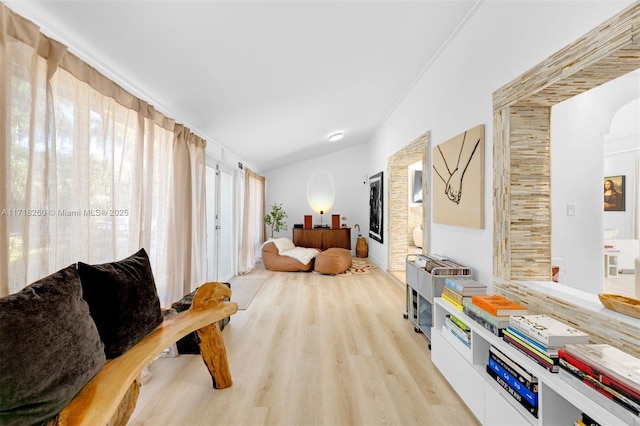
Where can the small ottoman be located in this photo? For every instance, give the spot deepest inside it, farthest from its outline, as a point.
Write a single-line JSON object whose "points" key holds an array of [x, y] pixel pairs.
{"points": [[333, 261]]}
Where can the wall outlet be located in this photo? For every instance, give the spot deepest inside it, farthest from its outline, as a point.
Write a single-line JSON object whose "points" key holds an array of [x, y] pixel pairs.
{"points": [[571, 209]]}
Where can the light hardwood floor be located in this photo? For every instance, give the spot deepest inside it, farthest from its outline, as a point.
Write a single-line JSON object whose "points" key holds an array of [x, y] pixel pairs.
{"points": [[311, 350]]}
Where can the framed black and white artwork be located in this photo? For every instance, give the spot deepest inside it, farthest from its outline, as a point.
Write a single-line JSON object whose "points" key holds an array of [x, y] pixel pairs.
{"points": [[375, 207]]}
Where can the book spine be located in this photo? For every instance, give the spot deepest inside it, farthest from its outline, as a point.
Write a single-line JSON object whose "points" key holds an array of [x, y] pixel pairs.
{"points": [[529, 396], [523, 376], [531, 355], [453, 285], [544, 355], [459, 334], [533, 342], [621, 370], [497, 321], [459, 323], [513, 393], [607, 391], [598, 375], [452, 302], [452, 294], [480, 320]]}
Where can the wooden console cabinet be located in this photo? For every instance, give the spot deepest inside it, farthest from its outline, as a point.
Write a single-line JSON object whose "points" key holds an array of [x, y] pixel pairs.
{"points": [[322, 238]]}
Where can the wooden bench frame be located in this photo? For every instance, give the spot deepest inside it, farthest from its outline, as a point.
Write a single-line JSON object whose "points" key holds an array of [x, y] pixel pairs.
{"points": [[110, 397]]}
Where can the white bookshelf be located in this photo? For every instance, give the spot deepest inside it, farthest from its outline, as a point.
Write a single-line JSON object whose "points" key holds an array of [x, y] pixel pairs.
{"points": [[561, 398]]}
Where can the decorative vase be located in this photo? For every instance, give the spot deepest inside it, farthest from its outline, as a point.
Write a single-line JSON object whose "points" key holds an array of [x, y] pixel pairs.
{"points": [[362, 248]]}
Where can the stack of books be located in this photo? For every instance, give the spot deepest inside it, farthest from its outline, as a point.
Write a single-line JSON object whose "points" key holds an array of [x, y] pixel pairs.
{"points": [[516, 380], [610, 371], [457, 288], [442, 266], [459, 329], [492, 312], [540, 337]]}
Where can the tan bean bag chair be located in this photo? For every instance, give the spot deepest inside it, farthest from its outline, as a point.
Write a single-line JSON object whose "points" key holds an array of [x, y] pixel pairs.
{"points": [[333, 261], [274, 261]]}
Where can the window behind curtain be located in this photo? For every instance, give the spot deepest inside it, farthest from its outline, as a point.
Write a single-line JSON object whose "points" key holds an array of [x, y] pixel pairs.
{"points": [[88, 172]]}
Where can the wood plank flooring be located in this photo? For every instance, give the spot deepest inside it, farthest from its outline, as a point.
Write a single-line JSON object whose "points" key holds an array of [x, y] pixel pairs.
{"points": [[311, 350]]}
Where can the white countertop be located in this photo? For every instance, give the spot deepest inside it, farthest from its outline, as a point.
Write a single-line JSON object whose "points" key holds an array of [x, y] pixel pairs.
{"points": [[585, 300]]}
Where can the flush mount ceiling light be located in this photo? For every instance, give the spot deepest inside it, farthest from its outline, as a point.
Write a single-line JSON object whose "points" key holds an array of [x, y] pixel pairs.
{"points": [[336, 136]]}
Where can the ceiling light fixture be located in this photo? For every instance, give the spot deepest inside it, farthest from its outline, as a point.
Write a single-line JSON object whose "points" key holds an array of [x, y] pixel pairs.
{"points": [[336, 136]]}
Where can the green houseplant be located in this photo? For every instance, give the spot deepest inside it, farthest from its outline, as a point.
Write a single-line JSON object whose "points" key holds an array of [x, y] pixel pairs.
{"points": [[275, 219]]}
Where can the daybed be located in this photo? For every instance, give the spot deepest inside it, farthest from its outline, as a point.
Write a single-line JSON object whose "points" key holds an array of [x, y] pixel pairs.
{"points": [[279, 254]]}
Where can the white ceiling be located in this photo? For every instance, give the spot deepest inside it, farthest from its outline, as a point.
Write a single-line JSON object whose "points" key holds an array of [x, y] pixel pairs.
{"points": [[266, 80]]}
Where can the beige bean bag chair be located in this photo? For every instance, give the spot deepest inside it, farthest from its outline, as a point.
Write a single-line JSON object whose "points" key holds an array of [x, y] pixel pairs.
{"points": [[281, 255], [333, 261]]}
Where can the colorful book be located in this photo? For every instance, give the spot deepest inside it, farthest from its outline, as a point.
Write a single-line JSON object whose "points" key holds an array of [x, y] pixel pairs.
{"points": [[515, 369], [551, 358], [452, 302], [463, 337], [533, 342], [552, 366], [530, 396], [459, 323], [498, 322], [498, 305], [489, 326], [465, 286], [452, 294], [547, 330], [533, 410], [608, 364], [609, 392]]}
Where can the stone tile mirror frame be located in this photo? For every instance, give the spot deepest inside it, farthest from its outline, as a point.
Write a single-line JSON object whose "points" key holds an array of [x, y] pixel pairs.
{"points": [[521, 138]]}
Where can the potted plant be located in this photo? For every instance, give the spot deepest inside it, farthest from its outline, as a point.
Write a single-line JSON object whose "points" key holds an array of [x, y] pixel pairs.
{"points": [[275, 219]]}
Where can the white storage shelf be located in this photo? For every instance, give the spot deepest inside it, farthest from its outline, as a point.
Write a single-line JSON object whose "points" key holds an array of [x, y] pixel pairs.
{"points": [[561, 399]]}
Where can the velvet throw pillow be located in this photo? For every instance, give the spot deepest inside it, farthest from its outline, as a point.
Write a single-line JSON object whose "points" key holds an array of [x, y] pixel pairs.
{"points": [[49, 348], [123, 301]]}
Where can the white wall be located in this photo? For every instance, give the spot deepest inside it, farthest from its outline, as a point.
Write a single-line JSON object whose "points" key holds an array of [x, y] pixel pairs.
{"points": [[500, 41], [578, 129], [347, 170]]}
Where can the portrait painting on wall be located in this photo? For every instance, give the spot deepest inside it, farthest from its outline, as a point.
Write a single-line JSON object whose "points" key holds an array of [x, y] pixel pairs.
{"points": [[458, 180], [614, 194], [375, 207]]}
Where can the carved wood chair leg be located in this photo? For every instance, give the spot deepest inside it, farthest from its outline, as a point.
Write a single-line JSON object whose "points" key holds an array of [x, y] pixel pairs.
{"points": [[127, 405], [214, 355]]}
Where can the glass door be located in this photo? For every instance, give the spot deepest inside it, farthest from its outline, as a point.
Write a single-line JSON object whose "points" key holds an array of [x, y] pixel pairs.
{"points": [[221, 242], [226, 225]]}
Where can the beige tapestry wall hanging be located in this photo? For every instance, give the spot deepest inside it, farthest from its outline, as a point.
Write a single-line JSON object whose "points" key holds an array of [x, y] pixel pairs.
{"points": [[458, 180]]}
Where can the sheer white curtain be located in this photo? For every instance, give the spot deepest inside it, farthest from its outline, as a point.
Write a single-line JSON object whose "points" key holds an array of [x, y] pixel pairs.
{"points": [[89, 172], [252, 221]]}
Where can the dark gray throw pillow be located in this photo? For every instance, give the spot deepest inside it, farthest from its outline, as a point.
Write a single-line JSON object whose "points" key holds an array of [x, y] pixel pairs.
{"points": [[49, 348], [123, 301]]}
